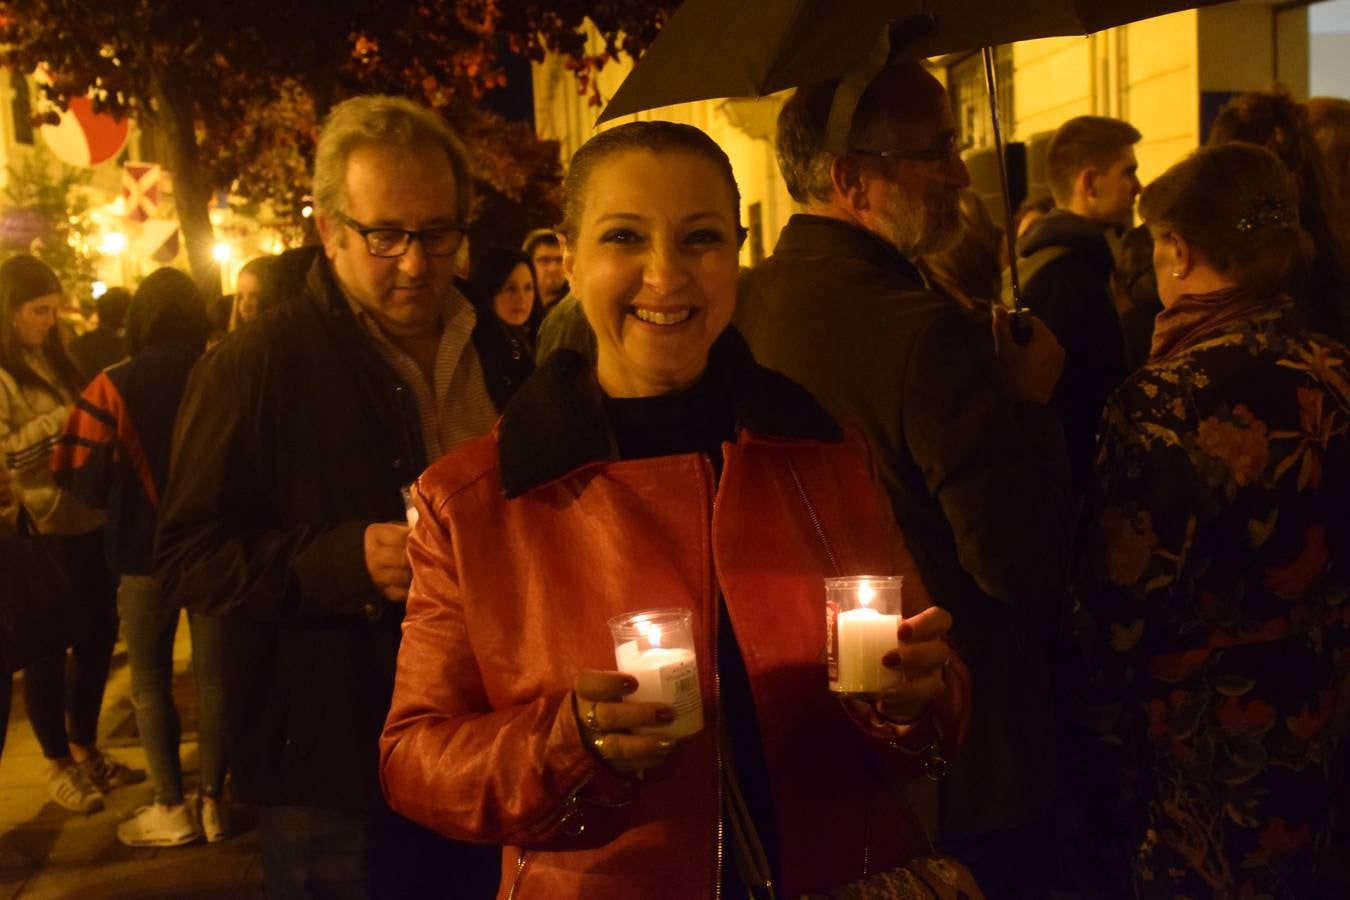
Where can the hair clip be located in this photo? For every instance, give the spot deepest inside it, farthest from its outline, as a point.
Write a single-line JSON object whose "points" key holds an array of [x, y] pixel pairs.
{"points": [[1266, 211]]}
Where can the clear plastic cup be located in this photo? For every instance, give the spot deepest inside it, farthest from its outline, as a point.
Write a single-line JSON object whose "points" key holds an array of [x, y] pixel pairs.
{"points": [[862, 616], [656, 646]]}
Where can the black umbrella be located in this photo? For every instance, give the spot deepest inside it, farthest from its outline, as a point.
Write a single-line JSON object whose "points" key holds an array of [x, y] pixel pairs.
{"points": [[750, 48]]}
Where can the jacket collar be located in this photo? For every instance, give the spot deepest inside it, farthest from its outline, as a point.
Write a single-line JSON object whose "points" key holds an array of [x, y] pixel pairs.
{"points": [[808, 235], [556, 422]]}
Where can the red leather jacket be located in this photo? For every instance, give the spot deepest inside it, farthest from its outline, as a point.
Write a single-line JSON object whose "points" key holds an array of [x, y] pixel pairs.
{"points": [[510, 599]]}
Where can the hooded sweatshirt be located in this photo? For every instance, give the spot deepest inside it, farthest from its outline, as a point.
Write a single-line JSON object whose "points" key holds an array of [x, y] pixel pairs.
{"points": [[1071, 293]]}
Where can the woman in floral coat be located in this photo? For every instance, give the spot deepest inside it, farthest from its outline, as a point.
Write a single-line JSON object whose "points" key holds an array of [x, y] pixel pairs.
{"points": [[1213, 585]]}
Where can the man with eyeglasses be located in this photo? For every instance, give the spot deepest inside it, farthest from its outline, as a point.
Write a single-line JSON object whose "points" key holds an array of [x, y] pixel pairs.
{"points": [[284, 511], [973, 460]]}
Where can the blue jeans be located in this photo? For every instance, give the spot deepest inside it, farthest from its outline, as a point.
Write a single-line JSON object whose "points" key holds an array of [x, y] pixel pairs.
{"points": [[149, 624], [328, 854]]}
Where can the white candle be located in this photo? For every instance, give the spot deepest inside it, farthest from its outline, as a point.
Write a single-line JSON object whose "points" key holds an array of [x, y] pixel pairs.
{"points": [[862, 637], [664, 675], [409, 506]]}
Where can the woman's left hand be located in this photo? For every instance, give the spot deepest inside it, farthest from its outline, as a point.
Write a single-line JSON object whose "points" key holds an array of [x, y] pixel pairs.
{"points": [[920, 659]]}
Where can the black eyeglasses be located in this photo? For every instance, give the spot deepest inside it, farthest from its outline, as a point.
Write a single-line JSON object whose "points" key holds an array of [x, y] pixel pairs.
{"points": [[942, 151], [388, 243]]}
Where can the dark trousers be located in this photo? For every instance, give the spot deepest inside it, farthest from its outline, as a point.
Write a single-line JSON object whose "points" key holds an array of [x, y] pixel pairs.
{"points": [[1008, 865], [326, 854], [63, 692]]}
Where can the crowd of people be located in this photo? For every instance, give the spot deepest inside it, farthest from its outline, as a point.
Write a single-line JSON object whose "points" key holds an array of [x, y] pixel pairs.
{"points": [[401, 494]]}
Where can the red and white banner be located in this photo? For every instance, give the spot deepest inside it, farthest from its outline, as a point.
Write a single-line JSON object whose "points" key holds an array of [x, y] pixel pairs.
{"points": [[140, 190], [83, 137]]}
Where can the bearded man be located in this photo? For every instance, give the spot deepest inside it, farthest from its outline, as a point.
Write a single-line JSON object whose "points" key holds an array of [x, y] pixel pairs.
{"points": [[973, 460]]}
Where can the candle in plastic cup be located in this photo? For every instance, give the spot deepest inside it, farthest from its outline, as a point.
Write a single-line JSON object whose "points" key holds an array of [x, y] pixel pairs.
{"points": [[656, 646], [409, 505], [862, 616]]}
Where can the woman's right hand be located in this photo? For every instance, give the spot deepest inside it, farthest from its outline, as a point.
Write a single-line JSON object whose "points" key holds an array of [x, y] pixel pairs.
{"points": [[605, 721]]}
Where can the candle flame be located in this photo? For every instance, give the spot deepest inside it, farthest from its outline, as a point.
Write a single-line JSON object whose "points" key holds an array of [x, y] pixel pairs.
{"points": [[866, 593], [654, 635]]}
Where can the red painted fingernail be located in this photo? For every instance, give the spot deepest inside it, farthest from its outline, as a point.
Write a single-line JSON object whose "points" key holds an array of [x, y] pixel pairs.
{"points": [[628, 683], [906, 632], [665, 715], [666, 743], [891, 660]]}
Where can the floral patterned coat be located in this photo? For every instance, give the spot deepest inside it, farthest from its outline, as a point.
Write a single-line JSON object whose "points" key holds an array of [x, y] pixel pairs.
{"points": [[1213, 584]]}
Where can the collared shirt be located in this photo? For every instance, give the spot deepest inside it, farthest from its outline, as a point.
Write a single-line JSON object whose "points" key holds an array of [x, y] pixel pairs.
{"points": [[455, 405]]}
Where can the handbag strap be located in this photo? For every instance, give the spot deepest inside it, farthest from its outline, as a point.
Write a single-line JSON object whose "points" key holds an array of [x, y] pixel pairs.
{"points": [[24, 525]]}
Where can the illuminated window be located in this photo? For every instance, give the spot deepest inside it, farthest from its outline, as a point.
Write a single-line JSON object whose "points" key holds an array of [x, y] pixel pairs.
{"points": [[969, 97]]}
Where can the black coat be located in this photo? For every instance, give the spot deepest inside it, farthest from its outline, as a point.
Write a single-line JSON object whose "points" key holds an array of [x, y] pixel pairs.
{"points": [[978, 479], [1072, 295], [294, 435]]}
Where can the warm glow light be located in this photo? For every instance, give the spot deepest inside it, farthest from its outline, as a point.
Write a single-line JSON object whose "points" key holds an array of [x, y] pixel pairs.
{"points": [[98, 289], [866, 593], [114, 242], [654, 635], [221, 252], [306, 211]]}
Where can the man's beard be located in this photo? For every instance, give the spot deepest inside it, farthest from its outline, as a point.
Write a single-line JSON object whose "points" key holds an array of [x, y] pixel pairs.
{"points": [[917, 228]]}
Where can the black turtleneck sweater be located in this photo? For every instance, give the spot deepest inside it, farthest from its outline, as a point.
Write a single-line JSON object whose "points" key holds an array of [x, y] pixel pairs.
{"points": [[697, 420]]}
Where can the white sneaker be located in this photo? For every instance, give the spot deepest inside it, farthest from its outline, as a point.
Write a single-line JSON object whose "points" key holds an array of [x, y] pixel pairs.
{"points": [[159, 826], [73, 790], [213, 813]]}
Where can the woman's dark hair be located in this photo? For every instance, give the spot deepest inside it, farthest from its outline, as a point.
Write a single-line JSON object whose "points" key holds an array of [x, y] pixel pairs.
{"points": [[262, 268], [1275, 121], [24, 278], [167, 308], [654, 137], [488, 275], [1239, 205]]}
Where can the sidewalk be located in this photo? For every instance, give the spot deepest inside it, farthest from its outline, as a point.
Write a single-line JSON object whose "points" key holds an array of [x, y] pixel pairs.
{"points": [[47, 853]]}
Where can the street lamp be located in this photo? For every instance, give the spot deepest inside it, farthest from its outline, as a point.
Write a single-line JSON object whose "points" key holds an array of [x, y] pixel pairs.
{"points": [[114, 242]]}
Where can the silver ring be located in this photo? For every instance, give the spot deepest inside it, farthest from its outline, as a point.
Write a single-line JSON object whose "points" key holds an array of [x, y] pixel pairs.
{"points": [[592, 723], [598, 742]]}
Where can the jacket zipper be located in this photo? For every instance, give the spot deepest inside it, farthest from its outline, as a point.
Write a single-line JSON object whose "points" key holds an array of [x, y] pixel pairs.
{"points": [[567, 809], [717, 686], [521, 861], [815, 520]]}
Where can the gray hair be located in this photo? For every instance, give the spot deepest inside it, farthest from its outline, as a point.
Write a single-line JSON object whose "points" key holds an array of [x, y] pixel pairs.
{"points": [[802, 155], [383, 120]]}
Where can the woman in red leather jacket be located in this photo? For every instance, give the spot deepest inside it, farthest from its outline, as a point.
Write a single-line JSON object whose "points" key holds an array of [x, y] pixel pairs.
{"points": [[675, 472]]}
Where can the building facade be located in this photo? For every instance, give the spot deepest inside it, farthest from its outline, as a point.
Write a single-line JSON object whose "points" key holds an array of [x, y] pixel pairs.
{"points": [[1168, 76]]}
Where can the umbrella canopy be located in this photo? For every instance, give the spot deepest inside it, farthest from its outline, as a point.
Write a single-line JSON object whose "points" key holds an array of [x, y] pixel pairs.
{"points": [[749, 48]]}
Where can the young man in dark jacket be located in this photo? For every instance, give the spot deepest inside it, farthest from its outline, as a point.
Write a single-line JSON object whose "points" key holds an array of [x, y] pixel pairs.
{"points": [[1068, 264], [283, 510], [972, 459]]}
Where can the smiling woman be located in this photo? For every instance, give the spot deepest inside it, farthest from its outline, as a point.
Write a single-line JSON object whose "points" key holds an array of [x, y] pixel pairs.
{"points": [[653, 258], [593, 499]]}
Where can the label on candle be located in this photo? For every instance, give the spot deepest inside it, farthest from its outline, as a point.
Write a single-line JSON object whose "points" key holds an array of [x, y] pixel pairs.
{"points": [[665, 675], [680, 681], [832, 639]]}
